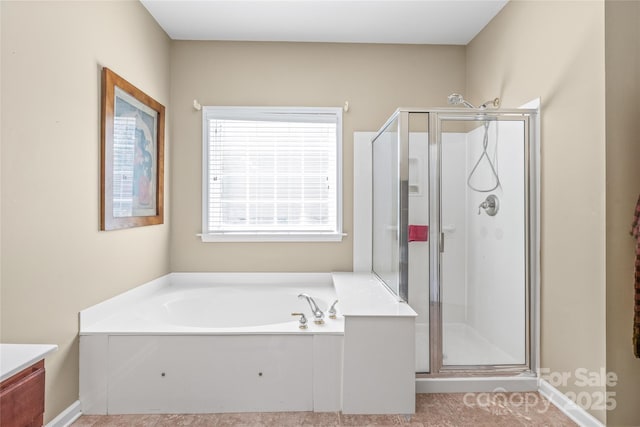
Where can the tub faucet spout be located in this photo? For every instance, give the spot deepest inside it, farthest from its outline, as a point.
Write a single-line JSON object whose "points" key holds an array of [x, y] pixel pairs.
{"points": [[318, 315]]}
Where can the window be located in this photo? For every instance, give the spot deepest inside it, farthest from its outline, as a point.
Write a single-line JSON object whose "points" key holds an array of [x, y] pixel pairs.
{"points": [[272, 174]]}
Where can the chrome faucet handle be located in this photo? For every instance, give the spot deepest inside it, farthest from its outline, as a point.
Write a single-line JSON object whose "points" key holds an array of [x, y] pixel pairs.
{"points": [[491, 205], [317, 313], [332, 310], [318, 317], [303, 320]]}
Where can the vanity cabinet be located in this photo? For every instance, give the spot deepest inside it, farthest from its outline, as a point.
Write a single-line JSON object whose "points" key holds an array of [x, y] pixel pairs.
{"points": [[22, 398], [22, 384]]}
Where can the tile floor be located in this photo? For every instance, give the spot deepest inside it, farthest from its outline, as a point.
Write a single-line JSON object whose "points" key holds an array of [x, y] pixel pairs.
{"points": [[450, 410]]}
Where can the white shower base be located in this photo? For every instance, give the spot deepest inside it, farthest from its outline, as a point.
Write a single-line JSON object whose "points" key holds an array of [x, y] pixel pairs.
{"points": [[463, 346]]}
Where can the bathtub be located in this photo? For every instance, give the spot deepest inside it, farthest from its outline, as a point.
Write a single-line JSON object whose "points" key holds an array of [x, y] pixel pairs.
{"points": [[235, 308], [212, 342]]}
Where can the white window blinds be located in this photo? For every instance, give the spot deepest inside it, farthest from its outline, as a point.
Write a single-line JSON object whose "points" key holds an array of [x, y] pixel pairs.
{"points": [[272, 172]]}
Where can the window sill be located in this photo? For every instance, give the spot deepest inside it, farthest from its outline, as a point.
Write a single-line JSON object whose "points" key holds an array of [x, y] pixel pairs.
{"points": [[272, 237]]}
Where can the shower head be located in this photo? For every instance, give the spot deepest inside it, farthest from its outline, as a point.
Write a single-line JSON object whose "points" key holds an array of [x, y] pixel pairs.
{"points": [[457, 99], [494, 103]]}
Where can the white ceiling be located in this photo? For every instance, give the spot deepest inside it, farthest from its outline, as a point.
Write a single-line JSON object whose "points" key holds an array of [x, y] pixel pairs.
{"points": [[342, 21]]}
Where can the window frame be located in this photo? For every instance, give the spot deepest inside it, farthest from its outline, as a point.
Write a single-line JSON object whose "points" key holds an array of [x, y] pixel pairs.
{"points": [[245, 113]]}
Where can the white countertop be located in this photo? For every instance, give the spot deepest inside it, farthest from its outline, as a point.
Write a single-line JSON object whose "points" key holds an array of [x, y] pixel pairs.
{"points": [[16, 357], [362, 294]]}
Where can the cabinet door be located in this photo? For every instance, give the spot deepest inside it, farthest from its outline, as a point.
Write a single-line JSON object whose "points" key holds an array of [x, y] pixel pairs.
{"points": [[181, 374], [22, 398]]}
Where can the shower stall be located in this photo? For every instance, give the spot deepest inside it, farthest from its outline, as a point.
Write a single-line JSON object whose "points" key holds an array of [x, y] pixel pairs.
{"points": [[454, 234]]}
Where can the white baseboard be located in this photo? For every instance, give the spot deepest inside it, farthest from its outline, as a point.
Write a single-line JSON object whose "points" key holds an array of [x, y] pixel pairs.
{"points": [[68, 416], [567, 406]]}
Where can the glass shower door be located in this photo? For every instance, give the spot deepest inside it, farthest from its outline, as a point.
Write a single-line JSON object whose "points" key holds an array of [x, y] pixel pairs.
{"points": [[482, 275], [386, 186], [400, 217]]}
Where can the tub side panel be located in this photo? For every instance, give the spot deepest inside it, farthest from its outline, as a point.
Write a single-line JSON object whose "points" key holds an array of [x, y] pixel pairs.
{"points": [[379, 365], [93, 374], [327, 373], [180, 374]]}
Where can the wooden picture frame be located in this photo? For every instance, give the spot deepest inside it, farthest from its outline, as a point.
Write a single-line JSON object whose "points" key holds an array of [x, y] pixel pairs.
{"points": [[132, 156]]}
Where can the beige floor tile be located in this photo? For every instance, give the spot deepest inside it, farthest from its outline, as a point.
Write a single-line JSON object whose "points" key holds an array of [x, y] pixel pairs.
{"points": [[177, 420], [432, 410], [284, 419], [370, 420], [244, 419], [127, 421], [86, 421], [321, 419], [206, 420]]}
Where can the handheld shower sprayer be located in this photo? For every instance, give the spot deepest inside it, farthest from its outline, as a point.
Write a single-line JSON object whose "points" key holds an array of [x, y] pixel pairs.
{"points": [[457, 99]]}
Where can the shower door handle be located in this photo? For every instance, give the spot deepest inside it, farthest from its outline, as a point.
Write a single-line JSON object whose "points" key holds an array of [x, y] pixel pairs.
{"points": [[441, 242]]}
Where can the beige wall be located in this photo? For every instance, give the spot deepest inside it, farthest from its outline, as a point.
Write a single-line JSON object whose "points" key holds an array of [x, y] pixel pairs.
{"points": [[375, 79], [623, 186], [55, 262], [555, 51]]}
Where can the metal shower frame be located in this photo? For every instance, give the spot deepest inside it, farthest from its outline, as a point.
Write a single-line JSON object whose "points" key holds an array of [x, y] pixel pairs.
{"points": [[530, 119]]}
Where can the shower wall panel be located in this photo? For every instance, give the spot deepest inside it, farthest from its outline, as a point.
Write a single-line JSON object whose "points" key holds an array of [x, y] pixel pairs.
{"points": [[495, 260]]}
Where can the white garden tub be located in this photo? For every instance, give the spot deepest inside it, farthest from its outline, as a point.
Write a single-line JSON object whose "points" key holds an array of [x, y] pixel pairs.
{"points": [[232, 307], [212, 342]]}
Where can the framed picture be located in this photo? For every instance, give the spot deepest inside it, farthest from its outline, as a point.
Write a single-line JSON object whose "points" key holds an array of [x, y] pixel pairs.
{"points": [[132, 156]]}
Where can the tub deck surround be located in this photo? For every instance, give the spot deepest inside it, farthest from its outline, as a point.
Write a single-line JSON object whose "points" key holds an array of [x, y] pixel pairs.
{"points": [[362, 294], [215, 303], [379, 347], [91, 317], [226, 342]]}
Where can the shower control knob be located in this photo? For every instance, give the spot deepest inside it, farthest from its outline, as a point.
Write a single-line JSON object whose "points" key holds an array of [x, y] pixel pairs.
{"points": [[491, 205]]}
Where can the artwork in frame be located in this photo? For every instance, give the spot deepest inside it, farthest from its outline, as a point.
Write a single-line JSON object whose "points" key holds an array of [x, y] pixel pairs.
{"points": [[132, 156]]}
